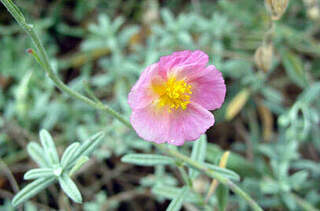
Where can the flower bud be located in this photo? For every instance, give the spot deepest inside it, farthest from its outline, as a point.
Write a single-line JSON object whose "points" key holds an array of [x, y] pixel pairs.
{"points": [[200, 184], [313, 13], [151, 15], [276, 8], [263, 57], [313, 9]]}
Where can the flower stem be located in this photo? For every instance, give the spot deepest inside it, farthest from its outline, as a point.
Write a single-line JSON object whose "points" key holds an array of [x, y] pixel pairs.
{"points": [[185, 177], [211, 174], [15, 12], [29, 29], [10, 176]]}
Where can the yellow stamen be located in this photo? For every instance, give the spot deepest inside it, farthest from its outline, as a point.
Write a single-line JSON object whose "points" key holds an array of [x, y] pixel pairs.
{"points": [[174, 94]]}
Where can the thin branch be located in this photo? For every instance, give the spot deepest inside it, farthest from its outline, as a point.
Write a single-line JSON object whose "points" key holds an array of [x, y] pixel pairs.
{"points": [[10, 176], [124, 196]]}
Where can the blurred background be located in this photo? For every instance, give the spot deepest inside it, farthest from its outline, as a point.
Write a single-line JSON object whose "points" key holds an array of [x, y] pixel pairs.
{"points": [[269, 121]]}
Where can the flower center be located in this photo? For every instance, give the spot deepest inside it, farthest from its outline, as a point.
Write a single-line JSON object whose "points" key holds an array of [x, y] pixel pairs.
{"points": [[174, 94]]}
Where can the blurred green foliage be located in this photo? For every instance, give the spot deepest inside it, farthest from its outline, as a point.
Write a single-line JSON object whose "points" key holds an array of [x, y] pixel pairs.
{"points": [[108, 44]]}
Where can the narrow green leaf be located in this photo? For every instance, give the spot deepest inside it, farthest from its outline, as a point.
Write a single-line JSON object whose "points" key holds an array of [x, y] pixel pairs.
{"points": [[14, 10], [176, 204], [38, 173], [298, 179], [311, 93], [198, 154], [80, 162], [93, 143], [235, 163], [68, 154], [31, 190], [294, 67], [289, 201], [49, 147], [37, 154], [222, 196], [86, 148], [167, 16], [147, 159], [224, 172], [70, 188], [170, 192]]}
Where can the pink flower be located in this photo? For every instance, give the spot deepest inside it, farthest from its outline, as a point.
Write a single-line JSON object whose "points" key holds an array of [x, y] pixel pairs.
{"points": [[171, 99]]}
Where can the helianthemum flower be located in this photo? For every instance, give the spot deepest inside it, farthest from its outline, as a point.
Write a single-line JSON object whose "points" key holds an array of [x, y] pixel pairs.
{"points": [[171, 99]]}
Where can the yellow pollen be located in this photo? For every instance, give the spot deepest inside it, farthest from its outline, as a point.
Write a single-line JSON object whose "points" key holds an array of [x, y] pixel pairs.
{"points": [[174, 94]]}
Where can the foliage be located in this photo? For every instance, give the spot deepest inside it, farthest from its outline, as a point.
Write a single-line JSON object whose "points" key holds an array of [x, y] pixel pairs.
{"points": [[51, 169], [269, 122]]}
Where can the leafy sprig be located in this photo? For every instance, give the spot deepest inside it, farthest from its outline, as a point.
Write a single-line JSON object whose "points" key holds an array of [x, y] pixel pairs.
{"points": [[54, 170]]}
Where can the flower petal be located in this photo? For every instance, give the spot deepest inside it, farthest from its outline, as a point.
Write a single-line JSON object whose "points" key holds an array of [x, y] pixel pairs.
{"points": [[151, 123], [176, 127], [209, 90], [183, 64], [189, 124], [141, 94]]}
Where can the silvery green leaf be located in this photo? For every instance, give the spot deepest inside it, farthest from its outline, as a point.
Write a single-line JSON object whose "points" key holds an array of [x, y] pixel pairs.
{"points": [[68, 154], [272, 95], [79, 163], [147, 159], [176, 204], [127, 33], [167, 16], [185, 38], [70, 188], [87, 147], [117, 23], [289, 201], [18, 15], [29, 206], [311, 93], [267, 150], [38, 173], [31, 190], [298, 179], [312, 166], [37, 154], [198, 154], [49, 147], [98, 202], [294, 67], [170, 192], [224, 172], [21, 94], [222, 196]]}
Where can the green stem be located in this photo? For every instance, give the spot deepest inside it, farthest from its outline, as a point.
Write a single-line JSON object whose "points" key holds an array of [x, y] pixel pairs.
{"points": [[10, 176], [185, 177], [90, 93], [48, 68], [54, 77], [211, 174]]}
